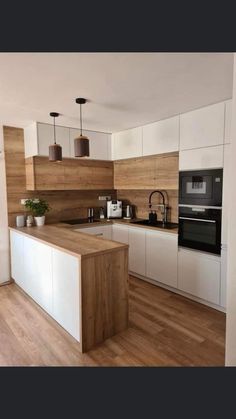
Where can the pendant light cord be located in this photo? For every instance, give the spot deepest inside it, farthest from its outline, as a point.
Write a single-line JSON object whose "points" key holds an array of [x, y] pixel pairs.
{"points": [[80, 119], [54, 130]]}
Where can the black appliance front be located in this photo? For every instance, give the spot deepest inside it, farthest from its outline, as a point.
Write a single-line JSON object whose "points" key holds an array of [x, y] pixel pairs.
{"points": [[201, 187], [200, 228]]}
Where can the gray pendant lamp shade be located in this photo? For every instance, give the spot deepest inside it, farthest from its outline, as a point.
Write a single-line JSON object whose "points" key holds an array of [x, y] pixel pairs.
{"points": [[81, 143], [55, 150]]}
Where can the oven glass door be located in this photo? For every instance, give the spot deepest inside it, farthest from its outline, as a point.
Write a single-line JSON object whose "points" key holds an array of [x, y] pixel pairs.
{"points": [[200, 234]]}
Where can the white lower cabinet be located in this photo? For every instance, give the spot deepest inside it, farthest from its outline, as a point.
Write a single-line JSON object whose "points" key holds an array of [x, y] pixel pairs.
{"points": [[120, 233], [161, 257], [38, 272], [199, 275], [66, 291], [137, 250], [51, 277], [17, 258]]}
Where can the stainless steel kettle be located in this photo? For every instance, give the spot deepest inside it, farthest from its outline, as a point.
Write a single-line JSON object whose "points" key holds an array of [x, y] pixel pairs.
{"points": [[129, 212]]}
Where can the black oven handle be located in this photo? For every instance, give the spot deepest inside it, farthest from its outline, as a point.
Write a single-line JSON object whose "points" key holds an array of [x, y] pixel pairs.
{"points": [[197, 219]]}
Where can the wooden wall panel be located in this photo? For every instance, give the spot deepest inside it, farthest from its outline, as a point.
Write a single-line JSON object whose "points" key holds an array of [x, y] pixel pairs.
{"points": [[151, 172], [140, 200], [65, 204]]}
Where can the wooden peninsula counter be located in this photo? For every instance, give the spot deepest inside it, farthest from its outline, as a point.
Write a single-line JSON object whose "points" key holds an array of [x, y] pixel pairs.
{"points": [[79, 279]]}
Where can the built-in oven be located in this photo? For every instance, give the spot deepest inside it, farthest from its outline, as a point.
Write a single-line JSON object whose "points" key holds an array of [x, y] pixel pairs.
{"points": [[201, 187], [200, 228]]}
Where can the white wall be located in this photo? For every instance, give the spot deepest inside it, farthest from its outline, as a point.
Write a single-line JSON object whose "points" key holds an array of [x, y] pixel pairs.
{"points": [[4, 240], [231, 281]]}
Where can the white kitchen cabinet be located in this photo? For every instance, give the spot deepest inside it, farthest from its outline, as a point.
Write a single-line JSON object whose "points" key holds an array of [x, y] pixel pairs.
{"points": [[66, 291], [120, 233], [223, 282], [225, 194], [199, 274], [46, 138], [202, 127], [161, 257], [103, 231], [38, 272], [39, 136], [127, 144], [17, 258], [228, 117], [201, 158], [99, 144], [161, 137], [137, 247]]}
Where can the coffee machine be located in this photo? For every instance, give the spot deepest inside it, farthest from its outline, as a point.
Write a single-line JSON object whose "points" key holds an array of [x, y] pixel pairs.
{"points": [[114, 209]]}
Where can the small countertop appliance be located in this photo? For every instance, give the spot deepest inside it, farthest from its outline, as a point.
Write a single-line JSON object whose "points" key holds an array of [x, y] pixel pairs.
{"points": [[114, 209]]}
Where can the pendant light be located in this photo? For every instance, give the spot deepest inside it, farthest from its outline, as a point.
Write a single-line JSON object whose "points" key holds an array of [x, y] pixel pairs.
{"points": [[55, 150], [82, 142]]}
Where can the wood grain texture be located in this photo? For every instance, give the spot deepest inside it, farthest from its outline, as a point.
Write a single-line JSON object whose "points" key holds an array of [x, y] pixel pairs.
{"points": [[65, 204], [152, 172], [165, 329], [104, 285], [70, 174], [72, 242]]}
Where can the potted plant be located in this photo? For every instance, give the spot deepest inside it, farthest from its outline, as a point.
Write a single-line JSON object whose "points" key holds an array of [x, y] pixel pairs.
{"points": [[38, 207]]}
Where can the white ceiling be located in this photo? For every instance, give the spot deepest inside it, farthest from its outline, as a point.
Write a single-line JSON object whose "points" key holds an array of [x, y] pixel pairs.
{"points": [[124, 89]]}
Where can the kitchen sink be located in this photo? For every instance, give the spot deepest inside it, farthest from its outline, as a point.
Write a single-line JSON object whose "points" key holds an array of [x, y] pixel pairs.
{"points": [[158, 224]]}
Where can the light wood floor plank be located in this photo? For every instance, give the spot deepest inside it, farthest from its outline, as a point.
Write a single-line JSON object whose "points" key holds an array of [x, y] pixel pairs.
{"points": [[165, 329]]}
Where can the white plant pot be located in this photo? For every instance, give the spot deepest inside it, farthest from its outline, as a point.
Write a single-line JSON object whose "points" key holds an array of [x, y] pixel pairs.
{"points": [[39, 221]]}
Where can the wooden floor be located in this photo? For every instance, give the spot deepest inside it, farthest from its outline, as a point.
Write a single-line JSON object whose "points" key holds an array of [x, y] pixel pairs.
{"points": [[165, 330]]}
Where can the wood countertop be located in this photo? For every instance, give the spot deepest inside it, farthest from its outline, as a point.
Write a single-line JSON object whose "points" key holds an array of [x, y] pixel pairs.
{"points": [[63, 237]]}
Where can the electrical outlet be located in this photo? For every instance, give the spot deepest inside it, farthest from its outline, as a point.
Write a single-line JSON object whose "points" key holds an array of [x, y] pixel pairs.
{"points": [[104, 198], [22, 201]]}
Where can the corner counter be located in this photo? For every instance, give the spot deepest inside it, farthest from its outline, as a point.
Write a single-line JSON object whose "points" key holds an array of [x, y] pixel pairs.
{"points": [[78, 279]]}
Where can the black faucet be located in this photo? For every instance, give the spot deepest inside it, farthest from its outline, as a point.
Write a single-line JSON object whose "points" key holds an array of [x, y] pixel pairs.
{"points": [[163, 205]]}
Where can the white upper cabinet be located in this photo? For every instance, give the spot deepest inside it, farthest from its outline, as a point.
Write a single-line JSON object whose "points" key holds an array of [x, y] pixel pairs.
{"points": [[127, 144], [203, 127], [228, 116], [46, 138], [161, 137], [38, 136], [99, 143], [201, 158]]}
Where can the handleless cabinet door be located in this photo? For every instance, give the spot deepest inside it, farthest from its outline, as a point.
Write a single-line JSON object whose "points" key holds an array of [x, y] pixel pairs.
{"points": [[17, 258], [66, 291], [46, 138], [161, 257], [99, 144], [104, 232], [137, 250], [199, 275], [161, 137], [38, 272], [202, 127], [127, 144], [120, 233], [201, 158]]}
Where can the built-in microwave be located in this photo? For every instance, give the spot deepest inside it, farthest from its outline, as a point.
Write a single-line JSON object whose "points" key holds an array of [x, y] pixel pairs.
{"points": [[201, 187]]}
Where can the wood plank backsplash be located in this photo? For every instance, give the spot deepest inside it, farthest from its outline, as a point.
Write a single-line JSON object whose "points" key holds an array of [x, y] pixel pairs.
{"points": [[139, 198], [64, 204]]}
